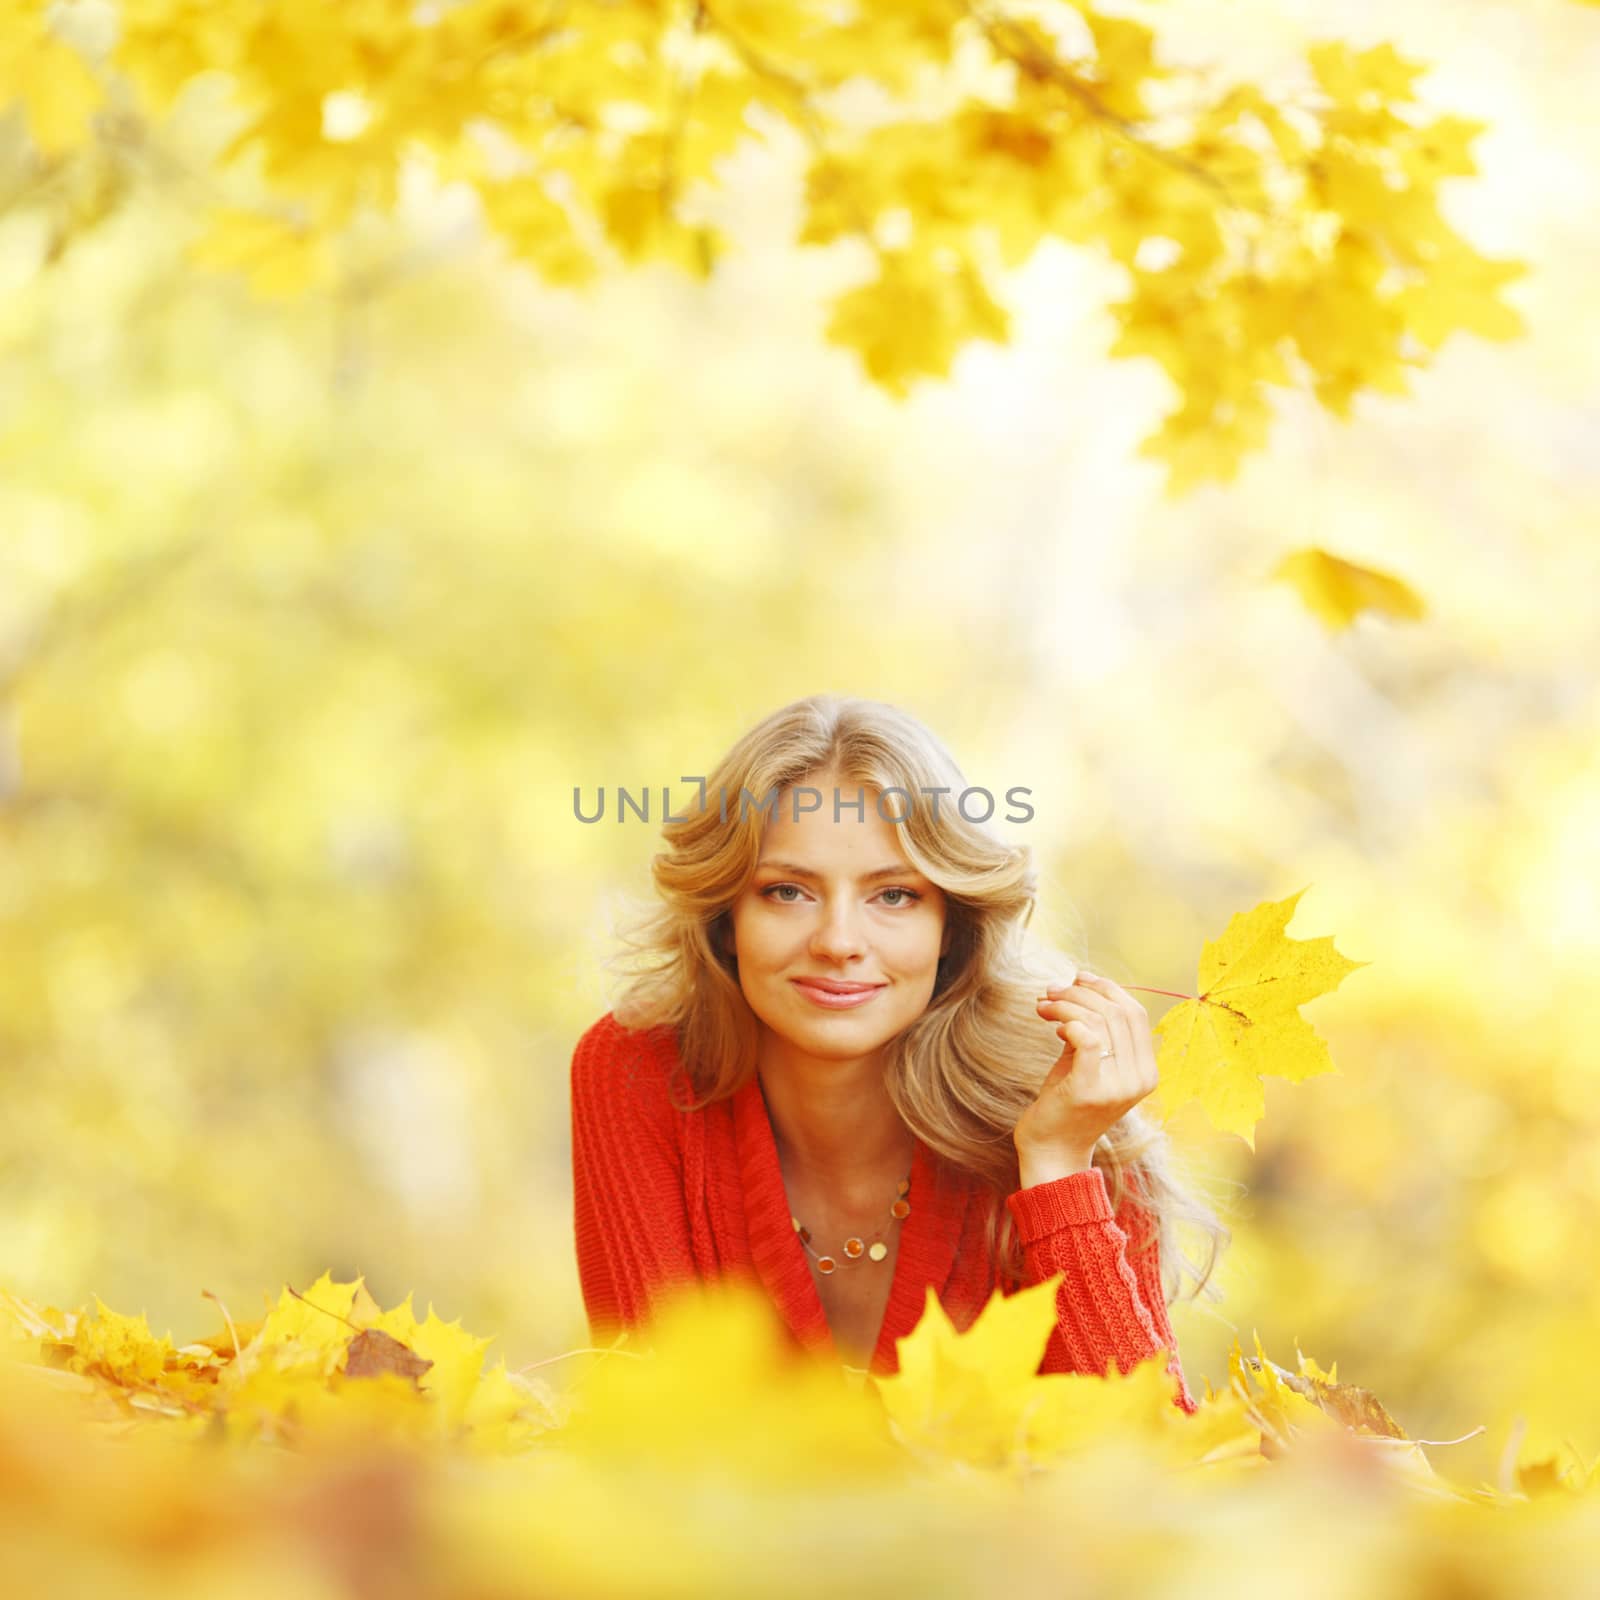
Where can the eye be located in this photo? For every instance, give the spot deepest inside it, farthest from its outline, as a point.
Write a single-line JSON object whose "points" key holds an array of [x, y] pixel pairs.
{"points": [[911, 896], [776, 893]]}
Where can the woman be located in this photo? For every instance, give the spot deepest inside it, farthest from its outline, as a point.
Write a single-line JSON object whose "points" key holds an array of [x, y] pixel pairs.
{"points": [[842, 1072]]}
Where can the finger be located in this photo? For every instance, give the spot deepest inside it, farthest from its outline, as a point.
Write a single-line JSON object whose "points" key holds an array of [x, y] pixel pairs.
{"points": [[1129, 1021], [1123, 1043], [1138, 1055], [1067, 988], [1098, 983], [1087, 998], [1062, 1011], [1087, 1039], [1086, 1031], [1112, 992], [1116, 1026], [1078, 1006]]}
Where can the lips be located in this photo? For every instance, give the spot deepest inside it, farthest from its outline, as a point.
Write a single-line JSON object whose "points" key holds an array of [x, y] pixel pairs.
{"points": [[833, 994]]}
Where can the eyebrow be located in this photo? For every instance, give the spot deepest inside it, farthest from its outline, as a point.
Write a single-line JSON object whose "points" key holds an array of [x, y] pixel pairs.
{"points": [[900, 870]]}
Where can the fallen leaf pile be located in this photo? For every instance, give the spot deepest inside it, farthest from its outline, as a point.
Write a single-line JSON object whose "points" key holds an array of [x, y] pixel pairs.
{"points": [[333, 1448]]}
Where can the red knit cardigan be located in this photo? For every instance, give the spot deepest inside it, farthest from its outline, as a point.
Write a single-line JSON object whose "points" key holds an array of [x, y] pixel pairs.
{"points": [[662, 1196]]}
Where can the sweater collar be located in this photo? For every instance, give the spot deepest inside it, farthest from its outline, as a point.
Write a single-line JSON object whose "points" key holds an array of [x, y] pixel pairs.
{"points": [[929, 1236]]}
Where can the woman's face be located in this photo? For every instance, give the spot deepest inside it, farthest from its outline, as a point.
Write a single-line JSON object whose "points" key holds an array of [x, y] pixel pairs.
{"points": [[822, 906]]}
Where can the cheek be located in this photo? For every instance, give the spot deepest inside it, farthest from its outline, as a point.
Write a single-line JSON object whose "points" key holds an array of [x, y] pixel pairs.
{"points": [[916, 940], [760, 937]]}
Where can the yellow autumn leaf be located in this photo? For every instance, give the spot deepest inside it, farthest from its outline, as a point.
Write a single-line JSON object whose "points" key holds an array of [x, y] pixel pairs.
{"points": [[59, 94], [23, 1322], [118, 1347], [1563, 1474], [1337, 591], [1458, 294], [1359, 1409], [712, 1385], [538, 230], [1347, 74], [1438, 149], [316, 1318], [967, 1395], [1075, 1412], [977, 1397], [1280, 1409], [505, 1412], [305, 1341], [640, 221], [913, 318], [1207, 441], [456, 1357], [1244, 1022], [277, 259]]}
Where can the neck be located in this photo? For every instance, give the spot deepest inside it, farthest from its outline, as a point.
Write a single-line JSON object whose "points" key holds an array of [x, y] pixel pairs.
{"points": [[833, 1122]]}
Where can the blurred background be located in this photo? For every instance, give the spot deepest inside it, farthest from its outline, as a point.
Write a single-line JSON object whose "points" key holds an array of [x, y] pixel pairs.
{"points": [[314, 612]]}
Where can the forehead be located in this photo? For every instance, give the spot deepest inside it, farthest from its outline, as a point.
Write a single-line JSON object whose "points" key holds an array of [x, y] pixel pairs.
{"points": [[845, 835]]}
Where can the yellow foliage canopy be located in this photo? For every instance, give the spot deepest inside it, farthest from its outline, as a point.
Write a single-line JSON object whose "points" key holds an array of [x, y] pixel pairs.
{"points": [[1265, 243]]}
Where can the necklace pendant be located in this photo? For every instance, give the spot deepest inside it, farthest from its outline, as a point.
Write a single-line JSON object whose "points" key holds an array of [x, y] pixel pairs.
{"points": [[826, 1263], [878, 1251], [853, 1248]]}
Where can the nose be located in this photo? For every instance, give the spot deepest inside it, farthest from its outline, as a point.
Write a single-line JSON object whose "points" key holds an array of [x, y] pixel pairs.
{"points": [[837, 936]]}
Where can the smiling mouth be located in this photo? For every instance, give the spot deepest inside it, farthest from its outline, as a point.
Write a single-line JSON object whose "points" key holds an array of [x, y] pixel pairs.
{"points": [[828, 999]]}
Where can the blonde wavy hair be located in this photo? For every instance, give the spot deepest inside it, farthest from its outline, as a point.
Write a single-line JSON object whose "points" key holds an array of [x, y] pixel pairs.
{"points": [[964, 1072]]}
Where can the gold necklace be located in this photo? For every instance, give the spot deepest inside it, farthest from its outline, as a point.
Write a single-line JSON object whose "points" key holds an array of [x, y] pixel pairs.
{"points": [[855, 1247]]}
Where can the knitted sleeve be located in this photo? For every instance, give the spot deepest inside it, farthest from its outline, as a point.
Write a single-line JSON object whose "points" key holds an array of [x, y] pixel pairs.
{"points": [[1111, 1304], [630, 1221]]}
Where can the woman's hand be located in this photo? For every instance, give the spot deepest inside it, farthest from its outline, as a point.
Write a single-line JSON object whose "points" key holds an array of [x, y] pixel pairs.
{"points": [[1109, 1065]]}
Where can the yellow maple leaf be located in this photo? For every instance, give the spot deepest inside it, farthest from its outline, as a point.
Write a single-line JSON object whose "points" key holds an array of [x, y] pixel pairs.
{"points": [[967, 1395], [1336, 591], [538, 229], [1279, 1408], [278, 259], [1343, 1425], [1348, 74], [712, 1386], [120, 1348], [456, 1357], [1207, 441], [290, 1367], [1438, 149], [59, 93], [911, 321], [1458, 293], [1358, 1409], [25, 1321], [1245, 1022], [317, 1318], [507, 1411], [310, 1337], [978, 1397]]}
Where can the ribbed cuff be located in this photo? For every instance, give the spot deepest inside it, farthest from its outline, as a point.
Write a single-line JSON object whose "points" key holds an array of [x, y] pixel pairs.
{"points": [[1045, 1208]]}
